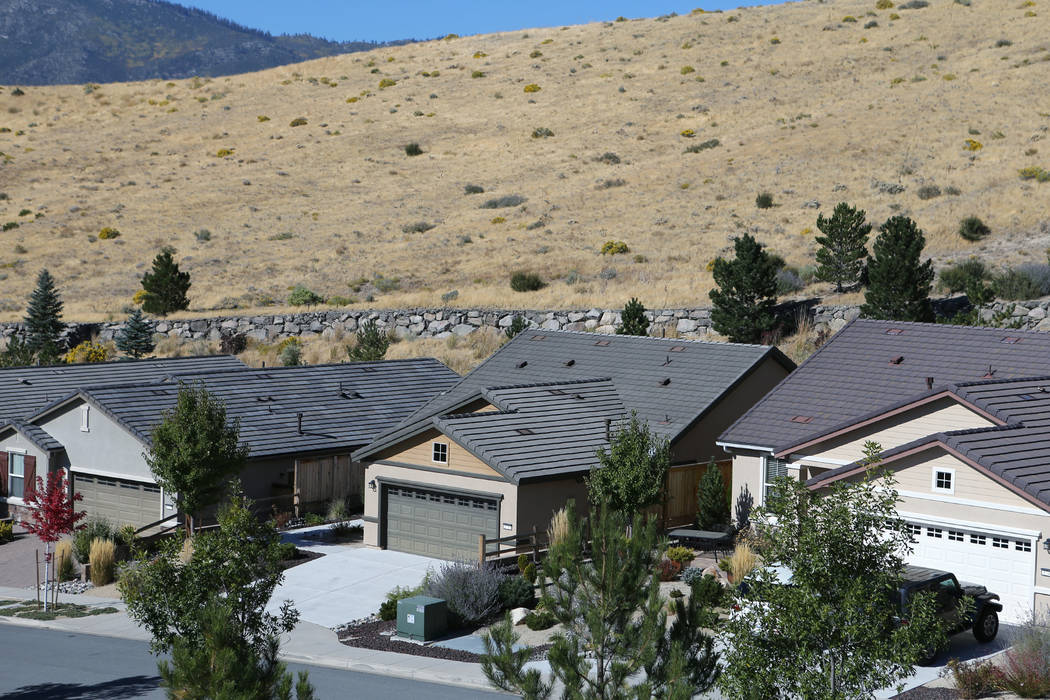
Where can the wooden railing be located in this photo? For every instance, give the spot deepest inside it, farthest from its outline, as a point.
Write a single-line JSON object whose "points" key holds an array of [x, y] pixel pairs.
{"points": [[502, 548]]}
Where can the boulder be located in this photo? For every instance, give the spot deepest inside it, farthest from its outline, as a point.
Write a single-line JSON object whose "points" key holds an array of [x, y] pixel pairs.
{"points": [[518, 615]]}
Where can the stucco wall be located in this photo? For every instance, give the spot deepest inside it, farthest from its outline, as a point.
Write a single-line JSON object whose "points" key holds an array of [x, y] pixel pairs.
{"points": [[106, 448]]}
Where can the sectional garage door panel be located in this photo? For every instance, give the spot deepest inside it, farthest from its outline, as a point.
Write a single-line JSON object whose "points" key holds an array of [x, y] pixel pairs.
{"points": [[1004, 563], [438, 524], [120, 501]]}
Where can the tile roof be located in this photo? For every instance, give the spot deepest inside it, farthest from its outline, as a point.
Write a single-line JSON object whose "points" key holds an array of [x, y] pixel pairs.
{"points": [[542, 429], [870, 365], [667, 381], [343, 406], [34, 433], [25, 390]]}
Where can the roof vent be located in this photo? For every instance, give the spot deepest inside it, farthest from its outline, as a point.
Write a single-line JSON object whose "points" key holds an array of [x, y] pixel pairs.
{"points": [[667, 361], [522, 364], [158, 392], [677, 348], [665, 381], [556, 392], [802, 419], [665, 421], [1026, 397], [894, 331], [350, 394], [569, 363], [23, 380], [264, 398], [525, 431], [929, 382], [1011, 339], [538, 337], [602, 343], [897, 360], [990, 374]]}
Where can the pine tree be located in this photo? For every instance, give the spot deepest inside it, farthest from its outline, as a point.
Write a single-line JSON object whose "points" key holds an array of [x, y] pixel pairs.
{"points": [[136, 337], [371, 344], [840, 258], [712, 501], [899, 282], [517, 325], [43, 321], [747, 292], [165, 286], [633, 320]]}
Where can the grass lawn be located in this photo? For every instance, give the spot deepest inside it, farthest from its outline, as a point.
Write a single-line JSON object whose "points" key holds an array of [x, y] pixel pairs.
{"points": [[27, 609]]}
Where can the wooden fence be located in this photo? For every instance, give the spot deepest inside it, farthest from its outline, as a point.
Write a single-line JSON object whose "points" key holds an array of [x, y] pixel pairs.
{"points": [[319, 480], [679, 505]]}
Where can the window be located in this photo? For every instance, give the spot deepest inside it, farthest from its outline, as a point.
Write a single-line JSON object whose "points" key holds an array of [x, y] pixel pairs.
{"points": [[955, 536], [944, 480], [934, 532], [1023, 545], [85, 425], [441, 452], [914, 530], [775, 468], [977, 539], [1001, 543], [16, 483]]}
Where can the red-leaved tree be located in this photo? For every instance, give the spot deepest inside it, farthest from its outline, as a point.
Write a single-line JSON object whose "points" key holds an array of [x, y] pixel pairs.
{"points": [[53, 515]]}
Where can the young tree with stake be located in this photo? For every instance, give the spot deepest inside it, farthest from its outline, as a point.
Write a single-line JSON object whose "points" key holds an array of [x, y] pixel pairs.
{"points": [[53, 515]]}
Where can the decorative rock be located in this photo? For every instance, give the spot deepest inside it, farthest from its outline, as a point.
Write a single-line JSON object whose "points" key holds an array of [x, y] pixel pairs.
{"points": [[518, 615], [1037, 313], [462, 329], [686, 325], [550, 324], [836, 324]]}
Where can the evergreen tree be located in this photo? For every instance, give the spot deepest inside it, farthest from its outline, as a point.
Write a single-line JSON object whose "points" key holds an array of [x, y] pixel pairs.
{"points": [[43, 321], [899, 282], [165, 285], [840, 258], [747, 292], [633, 320], [136, 337], [16, 354], [371, 344], [517, 325], [712, 500]]}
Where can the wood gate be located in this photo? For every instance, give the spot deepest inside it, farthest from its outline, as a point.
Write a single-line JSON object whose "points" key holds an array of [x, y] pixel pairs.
{"points": [[320, 480]]}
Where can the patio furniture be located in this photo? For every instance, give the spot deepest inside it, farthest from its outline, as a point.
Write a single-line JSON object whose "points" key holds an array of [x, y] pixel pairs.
{"points": [[705, 540]]}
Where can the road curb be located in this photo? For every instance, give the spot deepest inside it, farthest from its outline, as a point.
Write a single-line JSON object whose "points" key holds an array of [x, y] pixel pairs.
{"points": [[426, 675]]}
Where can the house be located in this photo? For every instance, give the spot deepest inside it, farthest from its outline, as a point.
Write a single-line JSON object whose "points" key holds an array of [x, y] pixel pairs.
{"points": [[300, 424], [508, 445], [963, 418]]}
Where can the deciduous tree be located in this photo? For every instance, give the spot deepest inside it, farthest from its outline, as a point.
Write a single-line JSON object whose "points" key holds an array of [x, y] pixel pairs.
{"points": [[52, 514], [630, 474]]}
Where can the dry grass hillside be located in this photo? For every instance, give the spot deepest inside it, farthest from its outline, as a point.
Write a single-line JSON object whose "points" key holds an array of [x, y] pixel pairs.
{"points": [[808, 101]]}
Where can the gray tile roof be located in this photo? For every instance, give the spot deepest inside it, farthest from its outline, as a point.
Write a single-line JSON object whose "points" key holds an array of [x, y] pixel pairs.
{"points": [[343, 405], [542, 429], [869, 365], [25, 390], [34, 433], [665, 380]]}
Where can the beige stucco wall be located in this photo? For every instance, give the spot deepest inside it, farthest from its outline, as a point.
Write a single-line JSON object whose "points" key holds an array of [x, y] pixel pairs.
{"points": [[747, 473]]}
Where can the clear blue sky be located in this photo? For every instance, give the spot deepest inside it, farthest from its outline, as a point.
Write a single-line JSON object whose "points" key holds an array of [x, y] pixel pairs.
{"points": [[384, 20]]}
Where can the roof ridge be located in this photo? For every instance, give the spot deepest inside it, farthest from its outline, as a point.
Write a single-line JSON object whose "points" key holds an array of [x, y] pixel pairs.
{"points": [[925, 324], [1003, 380], [476, 414], [538, 385], [123, 361], [592, 334]]}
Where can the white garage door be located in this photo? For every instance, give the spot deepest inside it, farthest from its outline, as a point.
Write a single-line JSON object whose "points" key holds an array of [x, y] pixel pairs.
{"points": [[1004, 563]]}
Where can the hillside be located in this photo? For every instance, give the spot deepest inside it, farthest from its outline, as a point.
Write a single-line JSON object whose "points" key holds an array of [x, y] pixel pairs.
{"points": [[47, 42], [802, 102]]}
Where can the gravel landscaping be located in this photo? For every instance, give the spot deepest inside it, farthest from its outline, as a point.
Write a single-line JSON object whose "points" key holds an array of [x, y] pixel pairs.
{"points": [[923, 693], [377, 634]]}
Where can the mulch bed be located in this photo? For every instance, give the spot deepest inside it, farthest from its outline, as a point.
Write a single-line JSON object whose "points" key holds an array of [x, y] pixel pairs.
{"points": [[369, 635], [301, 557], [922, 693]]}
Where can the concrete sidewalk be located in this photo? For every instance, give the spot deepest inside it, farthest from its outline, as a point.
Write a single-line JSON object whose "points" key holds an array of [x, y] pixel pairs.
{"points": [[308, 643]]}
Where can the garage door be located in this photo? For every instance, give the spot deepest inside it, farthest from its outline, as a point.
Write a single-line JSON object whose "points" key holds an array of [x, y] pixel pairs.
{"points": [[438, 524], [118, 500], [1002, 562]]}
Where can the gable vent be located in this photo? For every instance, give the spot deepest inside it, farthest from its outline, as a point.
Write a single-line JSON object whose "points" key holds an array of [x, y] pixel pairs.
{"points": [[525, 431], [569, 363], [522, 364], [665, 381], [897, 360], [894, 331], [602, 343], [677, 348], [801, 419], [1010, 339]]}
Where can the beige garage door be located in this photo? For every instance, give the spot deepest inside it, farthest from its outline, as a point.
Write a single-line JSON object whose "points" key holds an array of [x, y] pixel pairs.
{"points": [[438, 524], [120, 501]]}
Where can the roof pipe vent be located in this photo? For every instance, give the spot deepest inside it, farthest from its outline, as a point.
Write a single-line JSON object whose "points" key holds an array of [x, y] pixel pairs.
{"points": [[608, 429], [299, 422], [570, 363], [929, 383]]}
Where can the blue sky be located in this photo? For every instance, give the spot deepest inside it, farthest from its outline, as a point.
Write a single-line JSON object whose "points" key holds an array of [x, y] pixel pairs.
{"points": [[399, 19]]}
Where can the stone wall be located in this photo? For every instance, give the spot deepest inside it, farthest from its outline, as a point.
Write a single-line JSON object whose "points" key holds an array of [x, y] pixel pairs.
{"points": [[442, 323]]}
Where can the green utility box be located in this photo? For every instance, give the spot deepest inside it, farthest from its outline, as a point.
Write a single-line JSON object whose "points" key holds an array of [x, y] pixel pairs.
{"points": [[422, 618]]}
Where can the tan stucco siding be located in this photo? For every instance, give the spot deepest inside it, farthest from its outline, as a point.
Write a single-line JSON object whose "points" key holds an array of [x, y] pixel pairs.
{"points": [[747, 473], [698, 446], [508, 507], [941, 415], [419, 450]]}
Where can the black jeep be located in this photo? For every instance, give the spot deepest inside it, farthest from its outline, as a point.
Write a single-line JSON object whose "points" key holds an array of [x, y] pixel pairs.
{"points": [[982, 618]]}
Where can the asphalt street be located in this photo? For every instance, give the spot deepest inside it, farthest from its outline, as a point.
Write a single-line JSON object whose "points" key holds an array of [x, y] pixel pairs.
{"points": [[42, 663]]}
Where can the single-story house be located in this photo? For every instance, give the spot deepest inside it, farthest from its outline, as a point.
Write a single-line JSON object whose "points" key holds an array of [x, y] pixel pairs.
{"points": [[300, 424], [507, 446], [962, 415]]}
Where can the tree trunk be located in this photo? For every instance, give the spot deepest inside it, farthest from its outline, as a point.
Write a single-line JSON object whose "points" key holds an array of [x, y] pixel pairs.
{"points": [[47, 573]]}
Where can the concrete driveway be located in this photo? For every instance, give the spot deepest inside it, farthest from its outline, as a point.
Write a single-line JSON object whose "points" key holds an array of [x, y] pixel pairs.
{"points": [[348, 583]]}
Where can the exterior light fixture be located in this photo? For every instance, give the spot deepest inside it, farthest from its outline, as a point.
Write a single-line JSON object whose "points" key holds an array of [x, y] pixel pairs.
{"points": [[372, 485]]}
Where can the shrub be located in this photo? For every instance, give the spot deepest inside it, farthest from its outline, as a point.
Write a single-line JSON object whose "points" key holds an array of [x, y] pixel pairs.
{"points": [[609, 158], [88, 351], [668, 570], [7, 532], [344, 531], [203, 235], [742, 562], [529, 572], [291, 355], [313, 519], [388, 608], [337, 510], [542, 132], [929, 192], [478, 74], [108, 232], [233, 344], [703, 146], [95, 527], [788, 280], [497, 220], [884, 5], [413, 149], [526, 282], [692, 574], [914, 5], [417, 227], [223, 152], [849, 18], [471, 590], [298, 121], [686, 70], [973, 229], [682, 555], [507, 200], [610, 183], [102, 556], [64, 569], [974, 679], [1027, 672], [960, 277], [473, 189], [614, 248], [263, 118], [288, 551], [301, 296], [764, 200], [516, 592], [973, 145], [539, 620], [126, 535], [1032, 172], [387, 82], [1028, 281], [687, 133], [532, 87]]}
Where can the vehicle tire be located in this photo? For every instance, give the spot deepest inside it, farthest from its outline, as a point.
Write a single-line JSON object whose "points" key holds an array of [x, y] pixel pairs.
{"points": [[986, 627]]}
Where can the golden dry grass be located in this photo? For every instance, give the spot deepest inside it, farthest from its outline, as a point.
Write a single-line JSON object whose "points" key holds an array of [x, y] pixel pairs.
{"points": [[819, 115]]}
